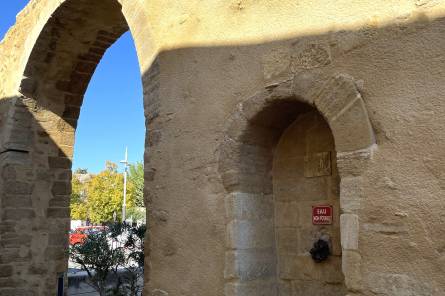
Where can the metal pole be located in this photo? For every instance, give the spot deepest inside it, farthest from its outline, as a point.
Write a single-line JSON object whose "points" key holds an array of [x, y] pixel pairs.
{"points": [[124, 205]]}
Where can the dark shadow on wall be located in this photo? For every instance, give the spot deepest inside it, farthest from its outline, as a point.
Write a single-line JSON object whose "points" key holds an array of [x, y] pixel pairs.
{"points": [[197, 83], [38, 131]]}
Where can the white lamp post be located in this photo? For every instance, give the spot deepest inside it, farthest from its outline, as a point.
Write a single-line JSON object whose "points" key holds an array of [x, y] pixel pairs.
{"points": [[124, 205]]}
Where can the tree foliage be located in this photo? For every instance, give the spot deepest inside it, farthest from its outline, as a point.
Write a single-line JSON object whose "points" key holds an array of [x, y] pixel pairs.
{"points": [[105, 195], [98, 199], [136, 178], [78, 202]]}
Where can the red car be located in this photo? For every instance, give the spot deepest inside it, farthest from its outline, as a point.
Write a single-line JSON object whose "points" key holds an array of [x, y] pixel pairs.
{"points": [[79, 235]]}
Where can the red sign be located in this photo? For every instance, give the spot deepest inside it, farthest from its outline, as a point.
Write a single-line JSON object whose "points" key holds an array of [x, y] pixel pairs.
{"points": [[322, 215]]}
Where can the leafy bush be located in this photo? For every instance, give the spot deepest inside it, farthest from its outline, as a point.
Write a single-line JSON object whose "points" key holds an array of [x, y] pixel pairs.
{"points": [[116, 251]]}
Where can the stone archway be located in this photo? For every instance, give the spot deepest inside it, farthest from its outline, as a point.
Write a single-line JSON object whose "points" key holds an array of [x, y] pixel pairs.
{"points": [[245, 165], [38, 135]]}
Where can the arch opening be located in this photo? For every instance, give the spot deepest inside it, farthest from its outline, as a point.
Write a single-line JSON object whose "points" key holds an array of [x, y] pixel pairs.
{"points": [[39, 140]]}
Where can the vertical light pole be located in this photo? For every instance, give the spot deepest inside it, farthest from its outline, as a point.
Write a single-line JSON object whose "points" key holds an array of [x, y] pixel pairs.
{"points": [[124, 205]]}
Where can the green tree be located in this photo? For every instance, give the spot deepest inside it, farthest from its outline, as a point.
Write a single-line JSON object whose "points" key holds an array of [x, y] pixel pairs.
{"points": [[136, 179], [105, 195], [78, 203], [116, 250]]}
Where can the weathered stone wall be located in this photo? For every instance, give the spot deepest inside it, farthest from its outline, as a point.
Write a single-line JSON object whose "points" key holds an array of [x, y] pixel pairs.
{"points": [[222, 81]]}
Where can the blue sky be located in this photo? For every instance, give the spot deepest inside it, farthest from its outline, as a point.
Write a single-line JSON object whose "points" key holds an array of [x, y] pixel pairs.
{"points": [[112, 113]]}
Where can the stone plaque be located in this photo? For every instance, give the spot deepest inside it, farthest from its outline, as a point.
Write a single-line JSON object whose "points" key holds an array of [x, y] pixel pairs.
{"points": [[317, 164]]}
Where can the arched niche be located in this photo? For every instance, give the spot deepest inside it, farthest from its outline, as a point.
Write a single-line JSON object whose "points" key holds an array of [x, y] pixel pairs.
{"points": [[305, 175], [250, 171]]}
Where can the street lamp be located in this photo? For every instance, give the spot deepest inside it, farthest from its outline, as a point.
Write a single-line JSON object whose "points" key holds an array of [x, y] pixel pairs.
{"points": [[125, 163]]}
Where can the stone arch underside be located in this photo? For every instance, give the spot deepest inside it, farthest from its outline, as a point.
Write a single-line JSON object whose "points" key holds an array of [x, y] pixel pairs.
{"points": [[245, 164], [38, 139]]}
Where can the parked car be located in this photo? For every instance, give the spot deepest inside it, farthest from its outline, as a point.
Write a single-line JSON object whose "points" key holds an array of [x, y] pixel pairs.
{"points": [[79, 235]]}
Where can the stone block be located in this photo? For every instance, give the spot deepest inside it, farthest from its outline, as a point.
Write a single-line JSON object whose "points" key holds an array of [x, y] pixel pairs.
{"points": [[59, 162], [5, 270], [353, 163], [287, 239], [86, 67], [44, 174], [13, 240], [9, 172], [14, 255], [337, 94], [310, 55], [247, 234], [62, 138], [10, 283], [64, 125], [285, 288], [55, 253], [280, 91], [234, 180], [253, 106], [286, 214], [351, 194], [275, 63], [252, 264], [349, 225], [252, 288], [302, 267], [351, 128], [311, 288], [61, 188], [35, 269], [23, 118], [18, 214], [230, 267], [78, 83], [15, 157], [247, 206], [58, 239], [308, 189], [17, 187], [351, 267], [307, 85], [7, 226], [60, 201], [17, 201], [58, 212], [19, 139], [74, 100], [393, 284]]}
